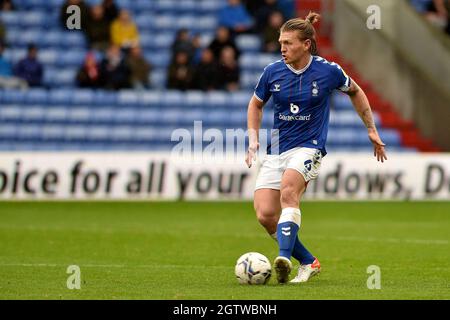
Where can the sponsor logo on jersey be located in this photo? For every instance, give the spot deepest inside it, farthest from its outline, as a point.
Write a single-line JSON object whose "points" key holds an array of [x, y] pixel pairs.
{"points": [[276, 88], [294, 118]]}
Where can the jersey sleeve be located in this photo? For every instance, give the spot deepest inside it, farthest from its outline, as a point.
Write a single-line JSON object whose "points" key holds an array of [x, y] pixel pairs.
{"points": [[262, 89], [341, 81]]}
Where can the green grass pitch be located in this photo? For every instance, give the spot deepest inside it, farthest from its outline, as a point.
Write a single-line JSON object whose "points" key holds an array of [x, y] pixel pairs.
{"points": [[180, 250]]}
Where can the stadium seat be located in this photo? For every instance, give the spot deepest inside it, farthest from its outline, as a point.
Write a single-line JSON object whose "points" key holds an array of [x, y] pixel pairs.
{"points": [[61, 97], [36, 96], [34, 114], [150, 98], [10, 114], [128, 98], [248, 43], [84, 97]]}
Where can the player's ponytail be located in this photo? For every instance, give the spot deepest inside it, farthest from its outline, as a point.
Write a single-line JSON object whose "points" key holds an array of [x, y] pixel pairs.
{"points": [[312, 17], [305, 28]]}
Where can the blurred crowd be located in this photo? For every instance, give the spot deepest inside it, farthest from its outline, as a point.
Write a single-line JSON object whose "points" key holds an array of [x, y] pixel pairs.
{"points": [[436, 12], [215, 66], [115, 59]]}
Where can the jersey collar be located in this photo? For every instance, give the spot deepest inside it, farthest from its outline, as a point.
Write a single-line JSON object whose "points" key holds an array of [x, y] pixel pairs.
{"points": [[302, 70]]}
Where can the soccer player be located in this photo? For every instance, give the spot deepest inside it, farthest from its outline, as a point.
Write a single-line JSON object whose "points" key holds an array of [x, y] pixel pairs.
{"points": [[301, 84]]}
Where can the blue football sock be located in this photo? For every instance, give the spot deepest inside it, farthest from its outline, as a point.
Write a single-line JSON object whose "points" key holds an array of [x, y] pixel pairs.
{"points": [[301, 253], [287, 229]]}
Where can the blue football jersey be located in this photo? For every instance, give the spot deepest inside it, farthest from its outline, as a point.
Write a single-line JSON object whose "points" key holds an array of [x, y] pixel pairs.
{"points": [[301, 101]]}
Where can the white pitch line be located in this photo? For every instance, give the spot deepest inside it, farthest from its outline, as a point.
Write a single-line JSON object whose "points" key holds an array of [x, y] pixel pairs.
{"points": [[392, 240], [53, 265]]}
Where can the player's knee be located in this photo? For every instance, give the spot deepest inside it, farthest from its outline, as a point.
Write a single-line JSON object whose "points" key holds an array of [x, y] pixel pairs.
{"points": [[266, 217]]}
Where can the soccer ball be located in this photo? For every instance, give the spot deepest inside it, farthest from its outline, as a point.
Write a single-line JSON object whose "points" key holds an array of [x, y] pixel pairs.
{"points": [[253, 268]]}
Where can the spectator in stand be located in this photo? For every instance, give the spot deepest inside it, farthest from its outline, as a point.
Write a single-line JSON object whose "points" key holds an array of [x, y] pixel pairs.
{"points": [[29, 68], [7, 79], [263, 14], [84, 12], [442, 8], [180, 72], [7, 5], [183, 43], [435, 11], [206, 73], [197, 49], [2, 32], [229, 70], [124, 32], [98, 29], [139, 68], [252, 6], [110, 9], [272, 32], [222, 39], [235, 17], [114, 70], [287, 8], [88, 75]]}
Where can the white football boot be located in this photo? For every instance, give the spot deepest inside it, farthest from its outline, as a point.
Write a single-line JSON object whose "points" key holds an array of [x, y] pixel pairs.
{"points": [[307, 271], [283, 267]]}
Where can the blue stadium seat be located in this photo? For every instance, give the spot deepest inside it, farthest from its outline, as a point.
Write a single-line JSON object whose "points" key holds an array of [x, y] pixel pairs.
{"points": [[194, 99], [75, 133], [80, 115], [62, 78], [172, 99], [34, 114], [36, 96], [61, 97], [216, 99], [84, 97], [10, 114], [248, 43], [341, 101], [128, 98], [10, 18], [150, 98], [249, 79], [148, 116], [106, 98], [70, 58], [102, 115], [56, 115], [35, 18], [122, 133], [158, 78], [159, 58], [48, 56], [126, 115], [29, 132], [144, 22], [13, 96], [240, 99]]}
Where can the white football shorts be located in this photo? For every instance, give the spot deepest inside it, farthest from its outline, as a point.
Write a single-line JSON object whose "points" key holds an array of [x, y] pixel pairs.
{"points": [[306, 161]]}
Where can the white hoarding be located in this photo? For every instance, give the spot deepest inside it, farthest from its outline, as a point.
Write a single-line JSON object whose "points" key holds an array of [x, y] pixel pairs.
{"points": [[159, 176]]}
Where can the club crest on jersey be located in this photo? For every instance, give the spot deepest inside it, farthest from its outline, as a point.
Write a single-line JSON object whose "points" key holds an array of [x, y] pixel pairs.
{"points": [[315, 89], [276, 88]]}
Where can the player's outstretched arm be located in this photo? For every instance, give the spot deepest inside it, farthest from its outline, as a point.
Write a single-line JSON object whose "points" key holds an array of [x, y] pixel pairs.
{"points": [[254, 116], [362, 106]]}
